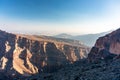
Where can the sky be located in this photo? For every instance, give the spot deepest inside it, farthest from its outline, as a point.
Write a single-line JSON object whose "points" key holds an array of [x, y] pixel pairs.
{"points": [[59, 16]]}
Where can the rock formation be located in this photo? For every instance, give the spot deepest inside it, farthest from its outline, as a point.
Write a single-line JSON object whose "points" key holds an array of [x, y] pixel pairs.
{"points": [[107, 46], [103, 63], [28, 54]]}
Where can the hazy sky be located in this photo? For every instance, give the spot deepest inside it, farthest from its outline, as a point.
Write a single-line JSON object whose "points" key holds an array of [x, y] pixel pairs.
{"points": [[60, 16]]}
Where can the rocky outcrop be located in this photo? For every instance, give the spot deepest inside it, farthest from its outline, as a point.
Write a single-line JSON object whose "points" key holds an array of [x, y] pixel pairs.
{"points": [[103, 63], [107, 46], [27, 54]]}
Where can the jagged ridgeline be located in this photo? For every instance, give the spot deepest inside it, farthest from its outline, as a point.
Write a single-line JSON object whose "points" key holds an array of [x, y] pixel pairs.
{"points": [[30, 54], [103, 63]]}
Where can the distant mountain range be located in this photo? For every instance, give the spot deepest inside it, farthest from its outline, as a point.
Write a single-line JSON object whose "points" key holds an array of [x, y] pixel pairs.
{"points": [[87, 39]]}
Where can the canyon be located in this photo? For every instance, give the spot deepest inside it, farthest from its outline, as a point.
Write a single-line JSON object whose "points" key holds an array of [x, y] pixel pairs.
{"points": [[36, 57], [26, 55], [102, 63]]}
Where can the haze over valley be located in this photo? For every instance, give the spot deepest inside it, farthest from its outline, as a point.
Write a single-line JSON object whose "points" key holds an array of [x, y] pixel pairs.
{"points": [[59, 39]]}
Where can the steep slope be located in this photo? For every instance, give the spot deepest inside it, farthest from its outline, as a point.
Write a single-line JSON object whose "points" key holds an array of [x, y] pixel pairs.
{"points": [[27, 54], [106, 47], [89, 39], [103, 63]]}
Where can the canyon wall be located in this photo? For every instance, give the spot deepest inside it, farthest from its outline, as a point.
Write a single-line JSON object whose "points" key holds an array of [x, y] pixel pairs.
{"points": [[27, 55], [107, 46]]}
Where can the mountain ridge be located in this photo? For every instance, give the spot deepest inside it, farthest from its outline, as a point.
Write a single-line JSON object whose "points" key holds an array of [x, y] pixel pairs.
{"points": [[87, 39]]}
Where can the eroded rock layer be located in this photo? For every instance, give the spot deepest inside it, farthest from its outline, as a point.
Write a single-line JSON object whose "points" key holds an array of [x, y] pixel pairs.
{"points": [[26, 54], [107, 46]]}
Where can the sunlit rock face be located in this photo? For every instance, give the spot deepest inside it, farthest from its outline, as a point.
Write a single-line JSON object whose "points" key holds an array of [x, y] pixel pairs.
{"points": [[27, 55], [107, 45]]}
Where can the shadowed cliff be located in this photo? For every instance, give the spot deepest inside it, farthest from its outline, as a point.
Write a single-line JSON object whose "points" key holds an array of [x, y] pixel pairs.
{"points": [[29, 54], [103, 63]]}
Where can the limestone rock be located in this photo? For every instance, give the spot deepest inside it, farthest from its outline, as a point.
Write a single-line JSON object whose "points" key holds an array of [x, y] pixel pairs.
{"points": [[29, 54]]}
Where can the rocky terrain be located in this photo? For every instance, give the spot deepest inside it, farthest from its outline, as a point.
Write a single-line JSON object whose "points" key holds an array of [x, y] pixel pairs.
{"points": [[84, 71], [103, 63], [25, 55], [106, 46]]}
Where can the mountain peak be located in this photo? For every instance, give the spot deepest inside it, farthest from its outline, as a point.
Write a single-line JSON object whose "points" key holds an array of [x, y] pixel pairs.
{"points": [[63, 35]]}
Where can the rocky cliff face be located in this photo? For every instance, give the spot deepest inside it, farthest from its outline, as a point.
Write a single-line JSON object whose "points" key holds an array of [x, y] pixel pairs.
{"points": [[106, 47], [103, 63], [26, 55]]}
